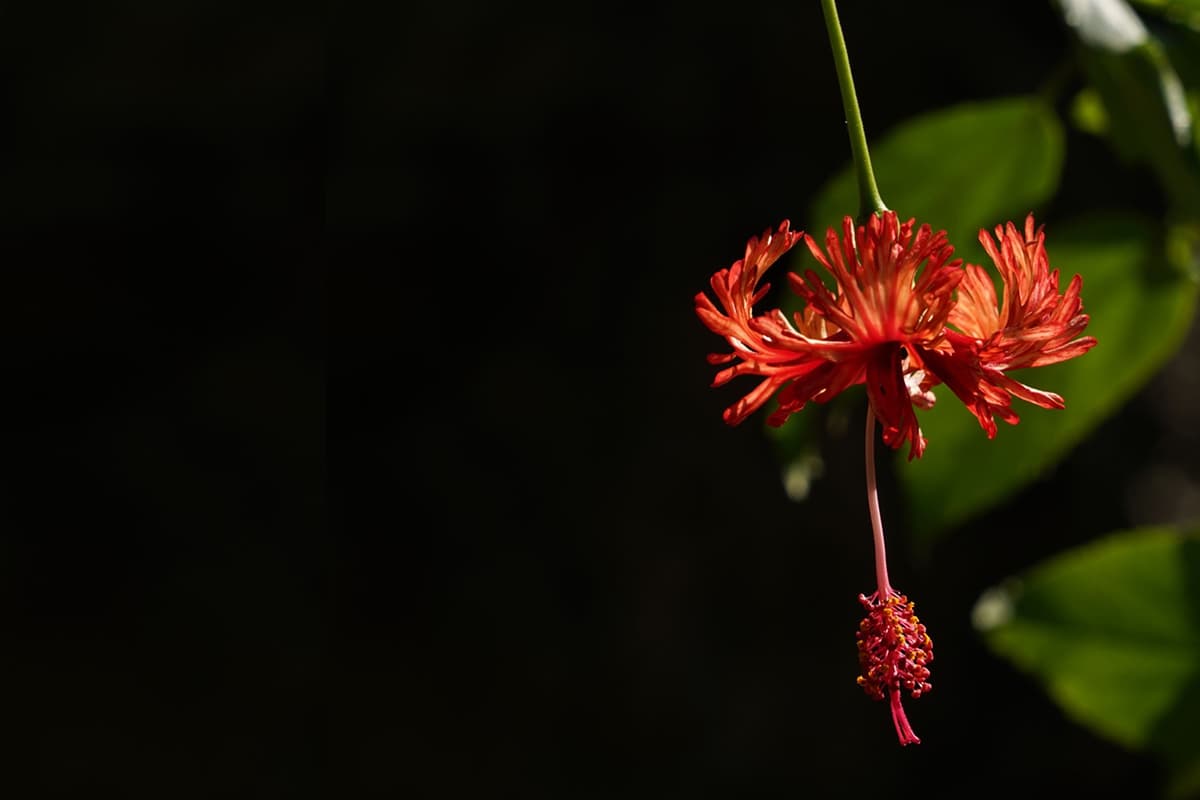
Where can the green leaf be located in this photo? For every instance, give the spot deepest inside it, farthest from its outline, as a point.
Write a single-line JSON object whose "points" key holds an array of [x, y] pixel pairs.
{"points": [[1185, 12], [1140, 312], [1112, 631], [959, 169], [1147, 110]]}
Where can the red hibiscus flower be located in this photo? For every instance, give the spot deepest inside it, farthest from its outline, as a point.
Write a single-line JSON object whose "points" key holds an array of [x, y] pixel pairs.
{"points": [[901, 317]]}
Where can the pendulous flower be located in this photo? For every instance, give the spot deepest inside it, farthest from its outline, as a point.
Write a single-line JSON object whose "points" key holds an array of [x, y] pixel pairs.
{"points": [[901, 317]]}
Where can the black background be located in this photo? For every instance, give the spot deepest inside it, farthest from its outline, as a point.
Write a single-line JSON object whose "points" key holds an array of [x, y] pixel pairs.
{"points": [[164, 578], [563, 575]]}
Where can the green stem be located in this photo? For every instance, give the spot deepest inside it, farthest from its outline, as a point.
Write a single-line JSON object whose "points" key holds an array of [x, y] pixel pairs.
{"points": [[869, 201]]}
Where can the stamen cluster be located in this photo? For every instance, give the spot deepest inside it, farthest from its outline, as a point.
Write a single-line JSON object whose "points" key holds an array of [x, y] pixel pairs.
{"points": [[893, 648], [894, 651]]}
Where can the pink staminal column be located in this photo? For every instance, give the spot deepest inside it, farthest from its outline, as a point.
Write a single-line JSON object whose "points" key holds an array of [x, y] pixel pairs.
{"points": [[894, 649]]}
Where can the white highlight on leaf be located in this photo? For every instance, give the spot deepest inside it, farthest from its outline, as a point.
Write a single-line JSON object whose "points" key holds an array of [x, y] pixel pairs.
{"points": [[1108, 24]]}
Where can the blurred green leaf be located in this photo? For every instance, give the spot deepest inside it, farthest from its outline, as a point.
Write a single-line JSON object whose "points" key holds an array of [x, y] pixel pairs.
{"points": [[1182, 45], [1140, 311], [1185, 12], [959, 169], [1177, 31], [1112, 631], [1148, 115]]}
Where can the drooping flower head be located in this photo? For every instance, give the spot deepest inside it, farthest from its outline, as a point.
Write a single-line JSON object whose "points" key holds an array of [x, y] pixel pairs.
{"points": [[893, 297], [900, 317]]}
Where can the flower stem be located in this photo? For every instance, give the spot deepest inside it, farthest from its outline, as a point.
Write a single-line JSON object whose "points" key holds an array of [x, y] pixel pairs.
{"points": [[881, 573], [869, 201]]}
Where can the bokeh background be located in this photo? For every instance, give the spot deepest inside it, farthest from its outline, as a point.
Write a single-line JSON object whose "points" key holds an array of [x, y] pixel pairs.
{"points": [[559, 574]]}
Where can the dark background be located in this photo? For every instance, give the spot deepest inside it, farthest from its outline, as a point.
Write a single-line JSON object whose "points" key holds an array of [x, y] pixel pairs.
{"points": [[164, 566], [562, 574]]}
